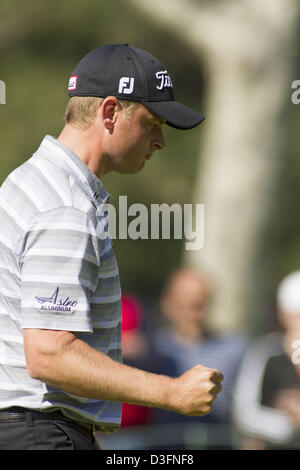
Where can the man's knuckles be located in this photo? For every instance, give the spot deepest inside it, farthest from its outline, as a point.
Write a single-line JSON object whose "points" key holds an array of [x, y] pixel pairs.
{"points": [[209, 374], [214, 388]]}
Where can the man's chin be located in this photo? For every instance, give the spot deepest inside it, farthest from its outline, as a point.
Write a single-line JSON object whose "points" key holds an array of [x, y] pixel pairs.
{"points": [[131, 171]]}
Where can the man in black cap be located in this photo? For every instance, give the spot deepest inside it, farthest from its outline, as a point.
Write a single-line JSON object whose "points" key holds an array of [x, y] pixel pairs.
{"points": [[61, 371]]}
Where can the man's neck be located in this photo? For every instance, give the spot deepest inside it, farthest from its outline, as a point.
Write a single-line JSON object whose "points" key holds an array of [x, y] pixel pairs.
{"points": [[87, 147]]}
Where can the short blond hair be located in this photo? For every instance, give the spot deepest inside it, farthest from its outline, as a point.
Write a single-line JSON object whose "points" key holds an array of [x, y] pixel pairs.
{"points": [[81, 110]]}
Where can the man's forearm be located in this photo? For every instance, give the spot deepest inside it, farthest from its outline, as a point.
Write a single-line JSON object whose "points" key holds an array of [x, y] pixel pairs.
{"points": [[81, 370], [62, 360]]}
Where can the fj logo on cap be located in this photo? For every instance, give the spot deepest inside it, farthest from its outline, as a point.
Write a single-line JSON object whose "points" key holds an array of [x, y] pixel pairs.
{"points": [[126, 85], [72, 83], [165, 80]]}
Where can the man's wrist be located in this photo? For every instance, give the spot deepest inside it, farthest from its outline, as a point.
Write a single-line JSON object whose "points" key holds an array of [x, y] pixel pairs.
{"points": [[171, 394]]}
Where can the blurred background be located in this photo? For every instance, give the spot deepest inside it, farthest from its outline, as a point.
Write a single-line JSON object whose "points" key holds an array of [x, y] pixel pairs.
{"points": [[233, 61]]}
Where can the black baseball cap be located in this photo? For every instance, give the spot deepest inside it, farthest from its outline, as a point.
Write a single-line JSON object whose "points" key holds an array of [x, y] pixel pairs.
{"points": [[133, 74]]}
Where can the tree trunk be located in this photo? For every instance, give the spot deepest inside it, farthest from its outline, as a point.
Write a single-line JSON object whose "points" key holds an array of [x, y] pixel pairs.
{"points": [[247, 50]]}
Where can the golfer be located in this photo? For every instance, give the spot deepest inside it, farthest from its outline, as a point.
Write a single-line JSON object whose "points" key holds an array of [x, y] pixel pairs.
{"points": [[61, 371]]}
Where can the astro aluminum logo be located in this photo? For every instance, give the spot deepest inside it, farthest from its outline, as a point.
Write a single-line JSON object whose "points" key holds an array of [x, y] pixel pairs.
{"points": [[58, 305], [126, 85], [2, 92]]}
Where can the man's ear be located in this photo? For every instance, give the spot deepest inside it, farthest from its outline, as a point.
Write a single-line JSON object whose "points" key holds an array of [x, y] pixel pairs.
{"points": [[109, 113]]}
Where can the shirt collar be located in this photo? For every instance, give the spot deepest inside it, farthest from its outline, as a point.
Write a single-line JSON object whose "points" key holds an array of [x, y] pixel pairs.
{"points": [[61, 155]]}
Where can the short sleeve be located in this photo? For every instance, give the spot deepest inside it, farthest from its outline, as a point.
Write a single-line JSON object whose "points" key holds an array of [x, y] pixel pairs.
{"points": [[59, 265]]}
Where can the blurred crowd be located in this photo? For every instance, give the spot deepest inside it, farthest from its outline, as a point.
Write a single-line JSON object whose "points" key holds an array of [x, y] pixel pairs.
{"points": [[259, 406]]}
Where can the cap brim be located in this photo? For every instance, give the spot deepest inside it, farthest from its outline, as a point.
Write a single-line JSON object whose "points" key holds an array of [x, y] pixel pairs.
{"points": [[176, 115]]}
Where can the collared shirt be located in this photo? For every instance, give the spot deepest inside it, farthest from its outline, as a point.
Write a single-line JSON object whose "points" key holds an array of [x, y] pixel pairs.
{"points": [[57, 272]]}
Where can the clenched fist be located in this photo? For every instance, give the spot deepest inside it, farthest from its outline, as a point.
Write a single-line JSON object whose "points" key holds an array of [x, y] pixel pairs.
{"points": [[194, 392]]}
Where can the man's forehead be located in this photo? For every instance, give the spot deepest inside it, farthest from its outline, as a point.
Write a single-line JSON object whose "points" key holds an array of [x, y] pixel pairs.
{"points": [[152, 116]]}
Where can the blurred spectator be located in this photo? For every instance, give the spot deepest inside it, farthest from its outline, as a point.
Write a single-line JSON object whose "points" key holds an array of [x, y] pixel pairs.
{"points": [[267, 395], [186, 339], [138, 352]]}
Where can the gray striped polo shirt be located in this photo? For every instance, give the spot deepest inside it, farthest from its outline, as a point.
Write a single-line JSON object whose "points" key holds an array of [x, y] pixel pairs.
{"points": [[56, 272]]}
